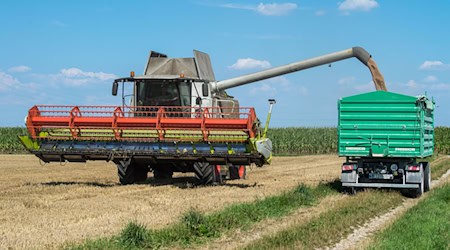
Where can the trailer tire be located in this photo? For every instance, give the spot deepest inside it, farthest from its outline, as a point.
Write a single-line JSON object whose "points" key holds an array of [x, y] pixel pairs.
{"points": [[427, 177], [416, 192], [207, 174], [350, 190]]}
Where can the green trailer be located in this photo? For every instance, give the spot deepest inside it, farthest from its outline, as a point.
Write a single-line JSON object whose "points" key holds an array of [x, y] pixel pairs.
{"points": [[386, 138]]}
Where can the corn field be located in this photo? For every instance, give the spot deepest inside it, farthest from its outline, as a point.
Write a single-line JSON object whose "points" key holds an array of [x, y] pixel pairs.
{"points": [[442, 140], [286, 141], [9, 143], [303, 141]]}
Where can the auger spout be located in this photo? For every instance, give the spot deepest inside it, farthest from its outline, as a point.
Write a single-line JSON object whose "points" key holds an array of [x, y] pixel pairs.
{"points": [[358, 52]]}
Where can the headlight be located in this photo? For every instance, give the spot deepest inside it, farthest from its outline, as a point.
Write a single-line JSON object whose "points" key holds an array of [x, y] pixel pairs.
{"points": [[394, 167]]}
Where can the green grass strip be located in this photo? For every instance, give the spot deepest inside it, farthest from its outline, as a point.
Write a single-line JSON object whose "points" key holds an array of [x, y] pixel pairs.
{"points": [[437, 170], [331, 226], [196, 227], [425, 226]]}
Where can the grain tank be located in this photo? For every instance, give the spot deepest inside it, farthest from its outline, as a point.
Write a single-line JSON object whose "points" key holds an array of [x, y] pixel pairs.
{"points": [[386, 138]]}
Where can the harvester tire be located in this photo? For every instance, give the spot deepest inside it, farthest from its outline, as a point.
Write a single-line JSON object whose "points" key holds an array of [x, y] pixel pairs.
{"points": [[130, 173], [141, 173], [237, 172], [207, 174], [162, 174]]}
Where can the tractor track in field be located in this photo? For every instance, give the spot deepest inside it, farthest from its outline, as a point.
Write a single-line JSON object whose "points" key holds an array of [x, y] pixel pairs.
{"points": [[45, 206]]}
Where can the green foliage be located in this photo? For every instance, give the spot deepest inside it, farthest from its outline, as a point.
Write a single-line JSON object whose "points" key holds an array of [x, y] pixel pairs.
{"points": [[425, 226], [286, 141], [134, 235], [437, 170], [330, 226], [303, 141], [196, 227], [442, 140], [197, 223], [9, 143]]}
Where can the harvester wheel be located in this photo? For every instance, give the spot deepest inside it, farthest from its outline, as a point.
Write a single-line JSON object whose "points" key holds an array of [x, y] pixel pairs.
{"points": [[207, 174], [125, 170], [237, 172], [162, 174], [130, 173], [141, 173]]}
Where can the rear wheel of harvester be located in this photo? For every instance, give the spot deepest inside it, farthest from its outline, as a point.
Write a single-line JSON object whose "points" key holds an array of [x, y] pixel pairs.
{"points": [[427, 176], [207, 174], [237, 172], [129, 172], [162, 173]]}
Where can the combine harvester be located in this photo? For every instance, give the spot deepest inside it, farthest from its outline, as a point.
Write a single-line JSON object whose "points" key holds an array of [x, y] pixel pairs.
{"points": [[180, 120]]}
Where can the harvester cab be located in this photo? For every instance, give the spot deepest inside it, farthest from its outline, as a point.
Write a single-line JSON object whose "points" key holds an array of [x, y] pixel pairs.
{"points": [[176, 82], [179, 119]]}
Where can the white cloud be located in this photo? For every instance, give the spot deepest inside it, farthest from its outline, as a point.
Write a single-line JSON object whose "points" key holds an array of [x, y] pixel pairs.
{"points": [[347, 80], [19, 69], [76, 77], [250, 63], [434, 65], [302, 90], [413, 84], [320, 13], [365, 87], [430, 79], [7, 81], [59, 23], [440, 86], [263, 87], [357, 5], [414, 88], [280, 83], [274, 9]]}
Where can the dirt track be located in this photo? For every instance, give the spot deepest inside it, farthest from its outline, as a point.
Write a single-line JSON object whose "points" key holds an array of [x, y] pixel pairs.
{"points": [[45, 206]]}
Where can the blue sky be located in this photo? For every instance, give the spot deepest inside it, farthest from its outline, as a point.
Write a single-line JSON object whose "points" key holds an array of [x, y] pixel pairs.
{"points": [[68, 52]]}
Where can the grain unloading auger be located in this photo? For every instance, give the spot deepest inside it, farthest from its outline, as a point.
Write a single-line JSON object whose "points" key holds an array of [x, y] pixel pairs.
{"points": [[180, 119]]}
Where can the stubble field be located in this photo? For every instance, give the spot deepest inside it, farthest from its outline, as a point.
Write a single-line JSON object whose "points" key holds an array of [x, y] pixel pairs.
{"points": [[46, 206]]}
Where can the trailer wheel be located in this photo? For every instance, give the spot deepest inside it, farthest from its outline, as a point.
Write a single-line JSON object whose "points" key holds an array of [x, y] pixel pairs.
{"points": [[427, 177], [416, 192], [207, 174], [350, 190], [126, 171]]}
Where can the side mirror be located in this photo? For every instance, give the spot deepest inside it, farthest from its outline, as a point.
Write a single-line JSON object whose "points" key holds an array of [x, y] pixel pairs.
{"points": [[205, 89], [115, 87]]}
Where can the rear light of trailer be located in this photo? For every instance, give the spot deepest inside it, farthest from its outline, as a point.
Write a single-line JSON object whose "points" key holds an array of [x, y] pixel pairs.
{"points": [[413, 168], [347, 167]]}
